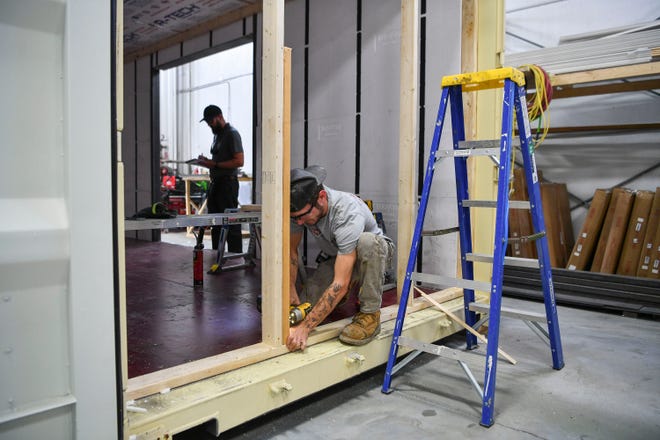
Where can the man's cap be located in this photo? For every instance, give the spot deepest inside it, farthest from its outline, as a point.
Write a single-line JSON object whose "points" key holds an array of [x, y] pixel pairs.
{"points": [[211, 112], [305, 185]]}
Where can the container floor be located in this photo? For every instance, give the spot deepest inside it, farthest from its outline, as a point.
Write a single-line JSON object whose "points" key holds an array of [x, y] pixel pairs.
{"points": [[170, 321]]}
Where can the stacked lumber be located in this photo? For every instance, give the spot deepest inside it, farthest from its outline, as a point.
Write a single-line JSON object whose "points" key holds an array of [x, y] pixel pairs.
{"points": [[520, 220], [648, 265], [585, 245], [620, 235], [613, 231], [558, 225]]}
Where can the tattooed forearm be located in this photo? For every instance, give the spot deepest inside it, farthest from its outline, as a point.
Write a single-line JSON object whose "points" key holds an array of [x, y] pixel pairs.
{"points": [[325, 305]]}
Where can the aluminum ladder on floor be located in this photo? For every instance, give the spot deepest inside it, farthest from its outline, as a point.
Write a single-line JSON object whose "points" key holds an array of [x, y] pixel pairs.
{"points": [[500, 152]]}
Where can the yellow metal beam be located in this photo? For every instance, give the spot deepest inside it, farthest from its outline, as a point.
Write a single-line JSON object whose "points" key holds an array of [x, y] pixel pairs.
{"points": [[483, 174]]}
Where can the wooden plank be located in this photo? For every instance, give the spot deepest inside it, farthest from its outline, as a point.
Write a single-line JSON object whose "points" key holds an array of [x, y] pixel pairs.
{"points": [[468, 64], [272, 175], [587, 76], [632, 244], [409, 92], [179, 375], [580, 258], [611, 127], [614, 230], [559, 92], [462, 323], [645, 264], [286, 184]]}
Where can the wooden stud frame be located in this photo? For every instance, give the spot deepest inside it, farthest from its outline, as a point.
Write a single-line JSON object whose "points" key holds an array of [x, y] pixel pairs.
{"points": [[275, 231], [276, 84], [408, 114]]}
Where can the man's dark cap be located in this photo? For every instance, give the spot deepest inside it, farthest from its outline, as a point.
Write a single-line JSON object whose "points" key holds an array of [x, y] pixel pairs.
{"points": [[211, 112], [305, 185]]}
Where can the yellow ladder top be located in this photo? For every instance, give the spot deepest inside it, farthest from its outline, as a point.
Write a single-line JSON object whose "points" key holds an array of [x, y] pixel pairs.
{"points": [[487, 79]]}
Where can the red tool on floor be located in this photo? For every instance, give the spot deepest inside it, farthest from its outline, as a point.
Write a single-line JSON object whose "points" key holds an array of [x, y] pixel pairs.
{"points": [[198, 258]]}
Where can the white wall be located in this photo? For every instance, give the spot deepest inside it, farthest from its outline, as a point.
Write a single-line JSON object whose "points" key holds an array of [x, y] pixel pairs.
{"points": [[57, 375]]}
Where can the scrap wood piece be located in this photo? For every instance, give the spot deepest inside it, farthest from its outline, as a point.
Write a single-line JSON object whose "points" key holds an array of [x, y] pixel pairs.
{"points": [[463, 324]]}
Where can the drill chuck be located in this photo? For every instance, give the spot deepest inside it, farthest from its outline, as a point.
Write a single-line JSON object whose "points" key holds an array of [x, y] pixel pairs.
{"points": [[298, 313]]}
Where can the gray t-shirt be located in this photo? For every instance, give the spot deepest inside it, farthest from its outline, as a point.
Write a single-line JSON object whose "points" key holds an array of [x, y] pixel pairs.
{"points": [[339, 231]]}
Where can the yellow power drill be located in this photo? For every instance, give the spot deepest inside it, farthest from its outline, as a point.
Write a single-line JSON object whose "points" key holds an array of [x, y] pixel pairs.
{"points": [[298, 313]]}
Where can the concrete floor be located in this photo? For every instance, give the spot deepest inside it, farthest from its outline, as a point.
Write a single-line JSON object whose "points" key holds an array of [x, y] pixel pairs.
{"points": [[609, 389]]}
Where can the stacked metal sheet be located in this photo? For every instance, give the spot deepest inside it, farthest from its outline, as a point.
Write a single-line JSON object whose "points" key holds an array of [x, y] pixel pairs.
{"points": [[609, 51]]}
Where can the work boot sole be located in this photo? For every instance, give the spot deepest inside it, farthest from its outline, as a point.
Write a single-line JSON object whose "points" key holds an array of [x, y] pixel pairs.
{"points": [[351, 341]]}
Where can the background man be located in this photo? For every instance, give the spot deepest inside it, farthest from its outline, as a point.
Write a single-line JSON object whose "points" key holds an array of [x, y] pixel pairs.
{"points": [[354, 250], [226, 159]]}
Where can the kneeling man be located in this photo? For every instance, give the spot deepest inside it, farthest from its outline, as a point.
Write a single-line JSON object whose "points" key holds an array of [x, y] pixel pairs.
{"points": [[354, 250]]}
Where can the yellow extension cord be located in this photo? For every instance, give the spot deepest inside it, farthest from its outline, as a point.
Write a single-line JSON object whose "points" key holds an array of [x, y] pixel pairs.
{"points": [[536, 110]]}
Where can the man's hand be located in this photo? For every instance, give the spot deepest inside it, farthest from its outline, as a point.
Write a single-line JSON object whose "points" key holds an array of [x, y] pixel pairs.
{"points": [[297, 338], [205, 162]]}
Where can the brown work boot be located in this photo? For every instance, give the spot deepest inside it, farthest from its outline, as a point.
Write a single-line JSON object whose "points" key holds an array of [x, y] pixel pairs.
{"points": [[364, 328]]}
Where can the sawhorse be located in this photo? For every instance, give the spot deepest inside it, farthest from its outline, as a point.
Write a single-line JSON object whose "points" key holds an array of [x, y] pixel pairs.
{"points": [[254, 246]]}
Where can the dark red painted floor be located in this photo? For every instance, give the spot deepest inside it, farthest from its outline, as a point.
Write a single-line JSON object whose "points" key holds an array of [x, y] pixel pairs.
{"points": [[171, 322]]}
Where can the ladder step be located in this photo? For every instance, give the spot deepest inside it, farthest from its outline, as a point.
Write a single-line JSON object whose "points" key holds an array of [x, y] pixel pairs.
{"points": [[444, 281], [526, 238], [438, 350], [435, 232], [511, 313], [513, 204], [508, 261], [469, 152], [490, 143]]}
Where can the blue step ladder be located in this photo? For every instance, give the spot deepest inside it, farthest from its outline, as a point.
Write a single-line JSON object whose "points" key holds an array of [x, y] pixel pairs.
{"points": [[453, 86]]}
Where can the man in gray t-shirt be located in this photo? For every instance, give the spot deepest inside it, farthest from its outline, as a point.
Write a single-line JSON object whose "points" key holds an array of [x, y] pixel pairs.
{"points": [[354, 250]]}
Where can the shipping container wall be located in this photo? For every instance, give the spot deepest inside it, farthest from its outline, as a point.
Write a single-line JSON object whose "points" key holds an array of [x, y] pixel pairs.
{"points": [[57, 368]]}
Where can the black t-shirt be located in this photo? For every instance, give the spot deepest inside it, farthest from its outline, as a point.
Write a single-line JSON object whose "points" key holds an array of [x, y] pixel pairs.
{"points": [[225, 145]]}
